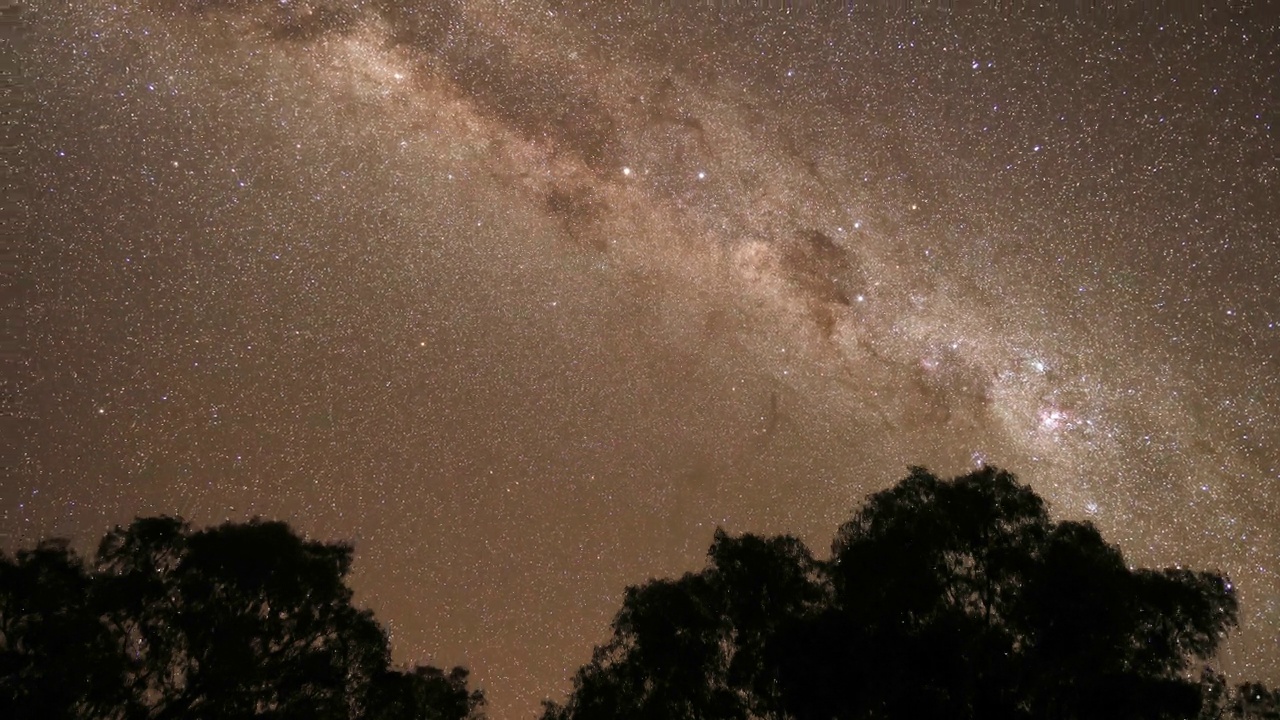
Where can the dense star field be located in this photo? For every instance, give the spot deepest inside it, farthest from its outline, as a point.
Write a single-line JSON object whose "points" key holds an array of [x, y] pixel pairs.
{"points": [[525, 297]]}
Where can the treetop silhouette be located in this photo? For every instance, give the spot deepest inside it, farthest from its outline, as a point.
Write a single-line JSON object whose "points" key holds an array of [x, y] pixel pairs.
{"points": [[954, 598], [236, 621], [957, 598]]}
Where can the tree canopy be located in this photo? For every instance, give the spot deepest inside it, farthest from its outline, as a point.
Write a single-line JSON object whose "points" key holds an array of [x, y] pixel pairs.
{"points": [[954, 598], [236, 621], [958, 598]]}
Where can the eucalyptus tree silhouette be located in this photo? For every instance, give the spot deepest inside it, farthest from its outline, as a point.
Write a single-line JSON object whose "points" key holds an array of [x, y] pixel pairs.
{"points": [[57, 659], [942, 598], [992, 610], [958, 598], [1245, 701], [237, 621], [696, 646]]}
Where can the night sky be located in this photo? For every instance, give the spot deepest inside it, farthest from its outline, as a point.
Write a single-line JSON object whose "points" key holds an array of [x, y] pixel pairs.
{"points": [[526, 297]]}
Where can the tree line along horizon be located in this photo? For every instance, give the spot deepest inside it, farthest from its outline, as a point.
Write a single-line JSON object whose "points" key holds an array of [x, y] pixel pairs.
{"points": [[942, 598]]}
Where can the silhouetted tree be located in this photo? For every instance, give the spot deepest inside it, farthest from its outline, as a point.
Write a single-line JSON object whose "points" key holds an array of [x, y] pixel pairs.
{"points": [[1246, 701], [943, 598], [237, 621], [1253, 701], [57, 660], [695, 647], [425, 693]]}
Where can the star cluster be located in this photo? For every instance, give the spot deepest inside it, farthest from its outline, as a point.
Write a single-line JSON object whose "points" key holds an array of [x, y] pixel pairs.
{"points": [[525, 297]]}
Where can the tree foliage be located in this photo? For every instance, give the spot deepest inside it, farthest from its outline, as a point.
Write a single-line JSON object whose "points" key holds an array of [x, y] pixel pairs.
{"points": [[952, 598], [237, 621], [1246, 701], [696, 647]]}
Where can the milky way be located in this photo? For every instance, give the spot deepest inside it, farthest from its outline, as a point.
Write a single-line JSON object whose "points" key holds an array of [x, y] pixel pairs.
{"points": [[526, 298]]}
